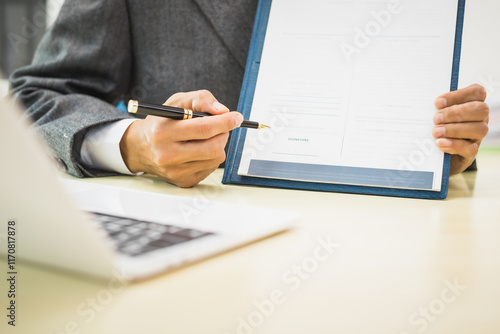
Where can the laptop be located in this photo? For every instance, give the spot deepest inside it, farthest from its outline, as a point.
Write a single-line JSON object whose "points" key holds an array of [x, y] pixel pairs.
{"points": [[105, 231]]}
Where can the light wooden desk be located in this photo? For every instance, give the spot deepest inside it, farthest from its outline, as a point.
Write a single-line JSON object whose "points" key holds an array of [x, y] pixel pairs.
{"points": [[390, 274]]}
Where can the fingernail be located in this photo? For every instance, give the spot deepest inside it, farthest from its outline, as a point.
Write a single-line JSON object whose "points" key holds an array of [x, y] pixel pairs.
{"points": [[441, 103], [438, 132], [443, 142], [438, 118], [238, 119], [219, 106]]}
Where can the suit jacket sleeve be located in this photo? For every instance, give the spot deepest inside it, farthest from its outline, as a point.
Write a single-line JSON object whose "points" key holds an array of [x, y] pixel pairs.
{"points": [[80, 70]]}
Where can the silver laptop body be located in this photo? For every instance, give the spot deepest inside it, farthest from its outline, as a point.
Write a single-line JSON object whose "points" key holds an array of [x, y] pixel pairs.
{"points": [[107, 231]]}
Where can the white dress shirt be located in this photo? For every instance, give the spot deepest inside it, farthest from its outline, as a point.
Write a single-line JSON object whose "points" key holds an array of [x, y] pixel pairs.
{"points": [[101, 147]]}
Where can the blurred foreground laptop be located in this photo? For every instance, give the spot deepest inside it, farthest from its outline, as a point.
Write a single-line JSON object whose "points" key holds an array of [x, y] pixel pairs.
{"points": [[102, 230]]}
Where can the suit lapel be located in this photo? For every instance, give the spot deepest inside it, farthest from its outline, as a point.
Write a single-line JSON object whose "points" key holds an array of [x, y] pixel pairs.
{"points": [[233, 23]]}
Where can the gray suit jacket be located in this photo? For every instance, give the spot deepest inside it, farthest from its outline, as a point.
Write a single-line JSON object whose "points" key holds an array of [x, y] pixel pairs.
{"points": [[103, 51]]}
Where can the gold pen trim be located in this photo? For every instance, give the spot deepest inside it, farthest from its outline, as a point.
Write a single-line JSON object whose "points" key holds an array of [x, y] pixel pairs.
{"points": [[188, 114], [133, 106]]}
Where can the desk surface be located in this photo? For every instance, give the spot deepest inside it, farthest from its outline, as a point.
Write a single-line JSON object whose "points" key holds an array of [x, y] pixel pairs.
{"points": [[402, 266]]}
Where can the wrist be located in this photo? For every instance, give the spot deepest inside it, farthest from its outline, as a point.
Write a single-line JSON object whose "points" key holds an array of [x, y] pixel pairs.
{"points": [[130, 147]]}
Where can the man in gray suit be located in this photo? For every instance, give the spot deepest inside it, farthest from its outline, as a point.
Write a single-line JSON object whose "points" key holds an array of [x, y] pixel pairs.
{"points": [[103, 51]]}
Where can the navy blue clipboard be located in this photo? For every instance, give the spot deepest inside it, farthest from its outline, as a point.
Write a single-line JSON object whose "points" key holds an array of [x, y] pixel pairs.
{"points": [[245, 105]]}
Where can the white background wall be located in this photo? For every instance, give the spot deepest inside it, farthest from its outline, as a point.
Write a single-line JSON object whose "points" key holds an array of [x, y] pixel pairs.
{"points": [[3, 88], [53, 7], [481, 57]]}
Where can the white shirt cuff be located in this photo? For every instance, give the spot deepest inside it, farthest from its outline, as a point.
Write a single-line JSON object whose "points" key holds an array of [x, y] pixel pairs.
{"points": [[101, 147]]}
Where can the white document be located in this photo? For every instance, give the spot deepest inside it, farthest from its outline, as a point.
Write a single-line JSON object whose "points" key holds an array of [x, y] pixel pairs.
{"points": [[348, 88]]}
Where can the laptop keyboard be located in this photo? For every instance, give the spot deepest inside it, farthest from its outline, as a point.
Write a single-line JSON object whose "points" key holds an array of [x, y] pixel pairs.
{"points": [[134, 237]]}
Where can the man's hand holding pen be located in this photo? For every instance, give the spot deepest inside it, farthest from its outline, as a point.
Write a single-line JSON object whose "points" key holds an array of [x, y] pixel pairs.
{"points": [[180, 152]]}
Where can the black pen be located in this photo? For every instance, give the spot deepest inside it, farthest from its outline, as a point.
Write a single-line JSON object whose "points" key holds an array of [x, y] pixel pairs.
{"points": [[136, 107]]}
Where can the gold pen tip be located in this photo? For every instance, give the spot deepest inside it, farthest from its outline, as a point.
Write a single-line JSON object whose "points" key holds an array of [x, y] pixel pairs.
{"points": [[263, 126]]}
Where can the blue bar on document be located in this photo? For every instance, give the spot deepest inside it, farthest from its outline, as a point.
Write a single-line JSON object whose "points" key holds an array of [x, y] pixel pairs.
{"points": [[342, 174]]}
